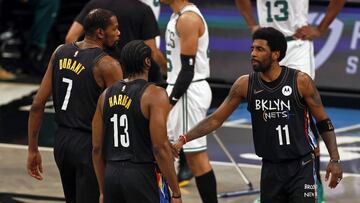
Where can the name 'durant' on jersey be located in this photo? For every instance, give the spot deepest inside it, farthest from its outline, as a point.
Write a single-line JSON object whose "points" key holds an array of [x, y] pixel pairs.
{"points": [[72, 65]]}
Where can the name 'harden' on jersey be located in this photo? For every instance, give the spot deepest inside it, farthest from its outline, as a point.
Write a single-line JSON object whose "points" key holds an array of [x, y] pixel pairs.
{"points": [[75, 91], [126, 130], [280, 119]]}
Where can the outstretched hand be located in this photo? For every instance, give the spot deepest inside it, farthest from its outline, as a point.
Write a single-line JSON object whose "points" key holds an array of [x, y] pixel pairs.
{"points": [[34, 165], [334, 171], [176, 147]]}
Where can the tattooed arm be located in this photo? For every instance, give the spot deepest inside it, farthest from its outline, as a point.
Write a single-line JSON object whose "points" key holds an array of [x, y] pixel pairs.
{"points": [[309, 92], [212, 122]]}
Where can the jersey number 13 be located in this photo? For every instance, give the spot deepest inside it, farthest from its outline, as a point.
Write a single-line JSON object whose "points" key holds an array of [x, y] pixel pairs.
{"points": [[124, 136]]}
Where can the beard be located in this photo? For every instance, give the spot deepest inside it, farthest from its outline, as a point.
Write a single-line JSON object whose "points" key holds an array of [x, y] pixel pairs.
{"points": [[261, 66]]}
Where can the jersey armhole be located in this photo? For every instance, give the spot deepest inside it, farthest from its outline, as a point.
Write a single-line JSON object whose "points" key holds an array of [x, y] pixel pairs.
{"points": [[188, 11]]}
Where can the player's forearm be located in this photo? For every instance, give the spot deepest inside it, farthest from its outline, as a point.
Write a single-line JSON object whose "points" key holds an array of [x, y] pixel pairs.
{"points": [[165, 162], [99, 167], [245, 9], [332, 11], [330, 142], [34, 123], [184, 78], [203, 128]]}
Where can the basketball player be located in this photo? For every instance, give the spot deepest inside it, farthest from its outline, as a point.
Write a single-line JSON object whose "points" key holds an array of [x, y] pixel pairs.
{"points": [[291, 17], [130, 134], [136, 21], [76, 75], [279, 99], [187, 41]]}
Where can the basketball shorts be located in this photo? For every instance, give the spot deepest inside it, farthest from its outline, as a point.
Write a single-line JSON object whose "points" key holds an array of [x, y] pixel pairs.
{"points": [[291, 181], [130, 182], [300, 56], [187, 112], [73, 157]]}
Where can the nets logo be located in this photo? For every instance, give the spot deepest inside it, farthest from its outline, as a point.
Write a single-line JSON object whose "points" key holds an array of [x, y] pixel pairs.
{"points": [[286, 90]]}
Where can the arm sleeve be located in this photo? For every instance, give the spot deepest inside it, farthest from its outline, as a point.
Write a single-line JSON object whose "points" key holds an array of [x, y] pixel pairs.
{"points": [[184, 78]]}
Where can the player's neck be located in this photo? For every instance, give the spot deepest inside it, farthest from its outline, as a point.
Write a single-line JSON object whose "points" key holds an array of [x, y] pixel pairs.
{"points": [[272, 74], [177, 6], [137, 77], [89, 42]]}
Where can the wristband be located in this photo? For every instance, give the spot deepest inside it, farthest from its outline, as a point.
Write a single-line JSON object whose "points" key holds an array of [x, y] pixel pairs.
{"points": [[335, 161], [324, 126], [184, 138], [176, 196]]}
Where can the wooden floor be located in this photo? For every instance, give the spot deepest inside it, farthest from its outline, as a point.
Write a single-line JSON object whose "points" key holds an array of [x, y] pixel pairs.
{"points": [[17, 186]]}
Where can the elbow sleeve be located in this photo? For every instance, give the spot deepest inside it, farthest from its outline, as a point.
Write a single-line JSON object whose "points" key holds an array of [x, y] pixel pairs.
{"points": [[184, 78]]}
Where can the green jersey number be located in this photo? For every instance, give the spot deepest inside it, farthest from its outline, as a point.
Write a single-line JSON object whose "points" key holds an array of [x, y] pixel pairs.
{"points": [[168, 60], [283, 8], [156, 3]]}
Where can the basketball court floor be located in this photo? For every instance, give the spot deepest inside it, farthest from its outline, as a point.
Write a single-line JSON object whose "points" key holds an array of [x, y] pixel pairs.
{"points": [[16, 186]]}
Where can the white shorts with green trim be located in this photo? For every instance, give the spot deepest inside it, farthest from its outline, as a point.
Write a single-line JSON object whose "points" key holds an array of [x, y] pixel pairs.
{"points": [[187, 112]]}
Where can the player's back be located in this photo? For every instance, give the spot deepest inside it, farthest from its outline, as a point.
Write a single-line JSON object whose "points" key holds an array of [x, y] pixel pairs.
{"points": [[285, 16], [126, 130], [75, 91]]}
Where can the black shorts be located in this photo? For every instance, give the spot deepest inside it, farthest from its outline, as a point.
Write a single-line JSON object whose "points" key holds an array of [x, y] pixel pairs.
{"points": [[73, 156], [128, 182], [292, 181]]}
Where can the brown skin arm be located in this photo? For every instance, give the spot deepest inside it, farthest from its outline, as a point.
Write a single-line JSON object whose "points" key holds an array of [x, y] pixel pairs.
{"points": [[155, 106], [245, 9], [189, 27], [34, 165], [309, 92], [311, 32], [157, 55], [237, 92], [75, 32], [107, 71], [97, 142]]}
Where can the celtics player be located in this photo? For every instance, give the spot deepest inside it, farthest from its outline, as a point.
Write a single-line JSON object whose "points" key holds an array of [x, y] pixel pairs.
{"points": [[187, 41]]}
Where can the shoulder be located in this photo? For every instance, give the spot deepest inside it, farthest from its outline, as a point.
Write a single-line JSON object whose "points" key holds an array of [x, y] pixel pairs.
{"points": [[304, 83], [303, 78], [156, 93], [189, 18], [107, 61], [240, 86], [242, 81]]}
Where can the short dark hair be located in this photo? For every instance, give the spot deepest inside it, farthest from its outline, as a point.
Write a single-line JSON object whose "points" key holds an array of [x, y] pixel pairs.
{"points": [[97, 18], [133, 56], [275, 39]]}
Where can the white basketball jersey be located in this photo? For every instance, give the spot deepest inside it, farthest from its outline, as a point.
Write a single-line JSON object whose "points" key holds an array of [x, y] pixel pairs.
{"points": [[173, 50], [284, 15], [154, 5]]}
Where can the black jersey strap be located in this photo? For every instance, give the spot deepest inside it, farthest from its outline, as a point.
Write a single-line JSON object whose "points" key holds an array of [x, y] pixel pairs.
{"points": [[101, 54]]}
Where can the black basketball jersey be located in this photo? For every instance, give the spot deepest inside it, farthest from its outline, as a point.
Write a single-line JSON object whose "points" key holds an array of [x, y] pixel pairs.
{"points": [[126, 130], [279, 118], [75, 91]]}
